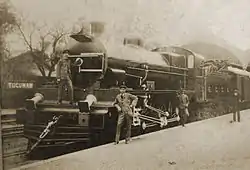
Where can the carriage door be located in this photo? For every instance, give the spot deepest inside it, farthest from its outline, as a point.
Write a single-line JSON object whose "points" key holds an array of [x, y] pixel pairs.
{"points": [[242, 91]]}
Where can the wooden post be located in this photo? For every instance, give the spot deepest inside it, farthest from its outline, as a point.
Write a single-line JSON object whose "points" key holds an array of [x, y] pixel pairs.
{"points": [[1, 142], [205, 87], [185, 73], [185, 79]]}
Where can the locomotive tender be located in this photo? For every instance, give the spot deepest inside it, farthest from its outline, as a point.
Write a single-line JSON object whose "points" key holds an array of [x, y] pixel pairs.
{"points": [[97, 73]]}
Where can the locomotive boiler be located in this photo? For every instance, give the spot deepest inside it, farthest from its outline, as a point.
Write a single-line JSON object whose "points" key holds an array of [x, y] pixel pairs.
{"points": [[97, 72]]}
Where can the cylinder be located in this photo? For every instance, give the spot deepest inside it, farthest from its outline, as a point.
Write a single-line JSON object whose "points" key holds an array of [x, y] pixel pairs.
{"points": [[37, 98], [31, 103]]}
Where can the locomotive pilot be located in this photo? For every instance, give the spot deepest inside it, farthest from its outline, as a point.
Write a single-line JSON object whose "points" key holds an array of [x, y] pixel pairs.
{"points": [[125, 103], [237, 100], [183, 107], [63, 74]]}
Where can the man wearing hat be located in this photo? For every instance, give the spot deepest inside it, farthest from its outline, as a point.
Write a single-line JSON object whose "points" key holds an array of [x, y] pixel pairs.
{"points": [[237, 100], [63, 77], [125, 103], [183, 107]]}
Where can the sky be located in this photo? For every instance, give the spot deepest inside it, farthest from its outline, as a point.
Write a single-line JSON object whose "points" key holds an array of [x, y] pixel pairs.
{"points": [[170, 22]]}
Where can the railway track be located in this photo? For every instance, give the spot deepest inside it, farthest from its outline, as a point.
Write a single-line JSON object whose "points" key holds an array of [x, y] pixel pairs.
{"points": [[14, 143]]}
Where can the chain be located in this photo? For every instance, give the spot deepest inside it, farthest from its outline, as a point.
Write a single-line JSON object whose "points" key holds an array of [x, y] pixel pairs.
{"points": [[45, 132], [50, 124]]}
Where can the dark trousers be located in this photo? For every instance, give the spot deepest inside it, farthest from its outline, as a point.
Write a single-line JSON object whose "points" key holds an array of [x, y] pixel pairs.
{"points": [[121, 118], [183, 116], [236, 112], [65, 82]]}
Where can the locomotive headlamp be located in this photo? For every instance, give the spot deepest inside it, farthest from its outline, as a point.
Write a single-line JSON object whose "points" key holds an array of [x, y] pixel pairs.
{"points": [[78, 62], [145, 66], [84, 106]]}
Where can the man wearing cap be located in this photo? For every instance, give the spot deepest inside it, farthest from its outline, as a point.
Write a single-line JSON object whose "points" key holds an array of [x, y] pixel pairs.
{"points": [[237, 100], [183, 107], [63, 77], [125, 103]]}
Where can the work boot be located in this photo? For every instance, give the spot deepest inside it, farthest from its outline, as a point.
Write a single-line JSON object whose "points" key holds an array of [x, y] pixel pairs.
{"points": [[116, 143], [127, 141]]}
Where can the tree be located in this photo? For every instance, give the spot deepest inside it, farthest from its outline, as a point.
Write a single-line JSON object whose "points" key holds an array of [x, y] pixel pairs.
{"points": [[43, 42], [7, 23]]}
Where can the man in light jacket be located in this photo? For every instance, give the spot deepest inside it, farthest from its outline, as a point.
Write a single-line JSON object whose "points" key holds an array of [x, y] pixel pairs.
{"points": [[125, 103]]}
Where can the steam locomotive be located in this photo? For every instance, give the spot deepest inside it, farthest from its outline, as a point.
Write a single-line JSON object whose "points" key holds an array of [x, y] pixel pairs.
{"points": [[97, 72]]}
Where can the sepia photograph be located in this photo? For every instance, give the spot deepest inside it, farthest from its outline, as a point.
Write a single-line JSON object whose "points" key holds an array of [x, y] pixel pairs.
{"points": [[125, 85]]}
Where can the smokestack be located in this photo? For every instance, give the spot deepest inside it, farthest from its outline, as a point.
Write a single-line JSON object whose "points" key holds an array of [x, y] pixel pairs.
{"points": [[84, 35], [97, 28], [86, 28]]}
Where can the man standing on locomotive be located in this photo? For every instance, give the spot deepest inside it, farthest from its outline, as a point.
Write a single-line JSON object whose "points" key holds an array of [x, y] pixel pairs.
{"points": [[183, 107], [237, 100], [63, 74], [125, 103]]}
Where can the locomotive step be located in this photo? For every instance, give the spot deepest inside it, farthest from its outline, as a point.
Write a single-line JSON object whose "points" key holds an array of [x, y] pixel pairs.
{"points": [[58, 140], [94, 110], [53, 103], [66, 107], [101, 104], [56, 134], [54, 145], [54, 109], [76, 129], [66, 103]]}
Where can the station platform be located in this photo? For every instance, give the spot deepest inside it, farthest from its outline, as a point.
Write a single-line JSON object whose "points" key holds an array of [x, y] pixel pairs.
{"points": [[214, 144]]}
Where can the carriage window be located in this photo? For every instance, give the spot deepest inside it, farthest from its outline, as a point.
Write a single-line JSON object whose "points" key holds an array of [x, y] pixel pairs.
{"points": [[190, 61], [222, 89], [178, 61], [216, 89], [209, 89]]}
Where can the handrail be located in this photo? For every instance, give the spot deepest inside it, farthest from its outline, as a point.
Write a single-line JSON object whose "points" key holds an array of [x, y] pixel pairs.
{"points": [[157, 71]]}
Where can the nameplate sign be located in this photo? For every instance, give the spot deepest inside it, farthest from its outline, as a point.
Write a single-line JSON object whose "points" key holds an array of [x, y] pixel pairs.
{"points": [[20, 85]]}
